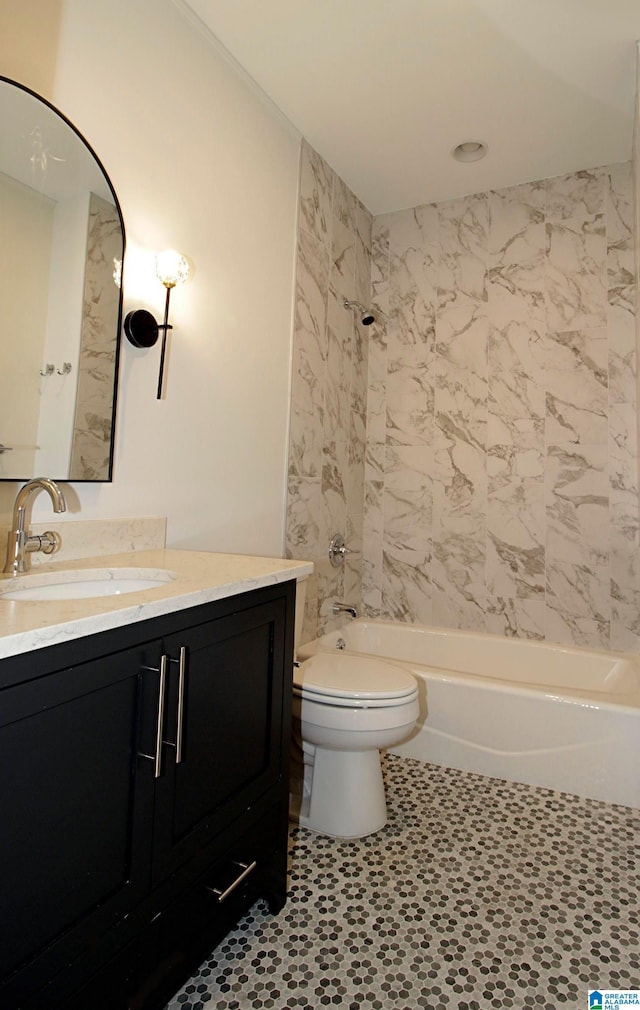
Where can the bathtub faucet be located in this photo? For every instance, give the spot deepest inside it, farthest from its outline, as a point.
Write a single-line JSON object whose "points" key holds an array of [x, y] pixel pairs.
{"points": [[344, 608]]}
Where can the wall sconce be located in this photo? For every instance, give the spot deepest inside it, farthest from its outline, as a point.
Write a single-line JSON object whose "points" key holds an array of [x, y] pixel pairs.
{"points": [[140, 326]]}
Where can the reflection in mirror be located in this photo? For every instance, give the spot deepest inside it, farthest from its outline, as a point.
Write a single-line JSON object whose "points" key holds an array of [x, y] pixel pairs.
{"points": [[60, 295]]}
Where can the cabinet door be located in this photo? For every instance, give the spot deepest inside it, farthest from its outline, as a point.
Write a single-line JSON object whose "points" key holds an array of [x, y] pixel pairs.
{"points": [[231, 722], [75, 828]]}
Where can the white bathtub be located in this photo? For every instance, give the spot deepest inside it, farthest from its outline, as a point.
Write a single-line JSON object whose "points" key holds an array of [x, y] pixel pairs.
{"points": [[544, 714]]}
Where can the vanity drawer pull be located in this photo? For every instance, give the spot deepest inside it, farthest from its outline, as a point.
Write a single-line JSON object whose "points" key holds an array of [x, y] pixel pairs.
{"points": [[181, 687], [246, 869], [156, 757], [160, 726]]}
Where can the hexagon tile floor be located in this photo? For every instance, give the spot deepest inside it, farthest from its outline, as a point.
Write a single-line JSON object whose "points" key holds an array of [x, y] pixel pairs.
{"points": [[477, 894]]}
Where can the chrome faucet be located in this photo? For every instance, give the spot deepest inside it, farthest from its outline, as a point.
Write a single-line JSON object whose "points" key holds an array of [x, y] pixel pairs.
{"points": [[344, 608], [20, 542]]}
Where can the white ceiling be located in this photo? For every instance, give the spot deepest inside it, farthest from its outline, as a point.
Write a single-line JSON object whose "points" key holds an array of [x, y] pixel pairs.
{"points": [[384, 89]]}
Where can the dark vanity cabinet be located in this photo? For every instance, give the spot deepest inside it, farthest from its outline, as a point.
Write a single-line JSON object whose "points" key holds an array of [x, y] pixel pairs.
{"points": [[144, 794]]}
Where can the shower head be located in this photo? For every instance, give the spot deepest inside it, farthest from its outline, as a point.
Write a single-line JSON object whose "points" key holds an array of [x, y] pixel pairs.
{"points": [[366, 315]]}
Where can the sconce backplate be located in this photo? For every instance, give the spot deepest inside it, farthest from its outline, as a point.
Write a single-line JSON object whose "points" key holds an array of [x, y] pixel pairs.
{"points": [[141, 328]]}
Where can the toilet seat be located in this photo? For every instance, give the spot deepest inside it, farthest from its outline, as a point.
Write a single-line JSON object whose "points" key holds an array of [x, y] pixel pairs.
{"points": [[345, 680]]}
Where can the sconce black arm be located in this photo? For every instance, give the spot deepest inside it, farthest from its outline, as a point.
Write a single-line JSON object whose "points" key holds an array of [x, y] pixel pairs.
{"points": [[142, 330]]}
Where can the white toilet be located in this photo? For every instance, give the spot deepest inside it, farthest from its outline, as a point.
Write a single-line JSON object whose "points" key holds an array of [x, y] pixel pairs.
{"points": [[345, 708]]}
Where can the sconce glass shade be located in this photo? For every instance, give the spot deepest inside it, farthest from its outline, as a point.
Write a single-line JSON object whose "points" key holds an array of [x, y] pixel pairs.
{"points": [[171, 268], [140, 326]]}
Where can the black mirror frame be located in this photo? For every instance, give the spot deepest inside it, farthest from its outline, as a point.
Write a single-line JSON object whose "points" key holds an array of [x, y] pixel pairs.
{"points": [[116, 202]]}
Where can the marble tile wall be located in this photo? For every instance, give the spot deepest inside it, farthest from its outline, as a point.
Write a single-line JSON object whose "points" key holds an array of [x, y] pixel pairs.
{"points": [[91, 441], [633, 564], [500, 488], [329, 387], [636, 167]]}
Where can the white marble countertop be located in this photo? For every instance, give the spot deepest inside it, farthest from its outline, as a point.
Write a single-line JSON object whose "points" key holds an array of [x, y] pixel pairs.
{"points": [[199, 578]]}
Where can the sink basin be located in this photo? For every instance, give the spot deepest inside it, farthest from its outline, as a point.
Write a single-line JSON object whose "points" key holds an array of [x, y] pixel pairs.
{"points": [[84, 584]]}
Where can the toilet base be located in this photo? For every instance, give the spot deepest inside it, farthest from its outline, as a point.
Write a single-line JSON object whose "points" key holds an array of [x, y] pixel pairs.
{"points": [[346, 796]]}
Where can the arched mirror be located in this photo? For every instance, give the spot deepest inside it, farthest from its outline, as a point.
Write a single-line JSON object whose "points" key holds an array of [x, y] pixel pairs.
{"points": [[60, 296]]}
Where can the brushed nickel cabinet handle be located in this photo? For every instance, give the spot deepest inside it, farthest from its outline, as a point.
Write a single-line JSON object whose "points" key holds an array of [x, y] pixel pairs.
{"points": [[246, 869], [182, 675], [160, 725], [156, 757]]}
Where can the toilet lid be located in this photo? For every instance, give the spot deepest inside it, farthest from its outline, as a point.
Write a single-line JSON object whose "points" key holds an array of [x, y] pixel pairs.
{"points": [[346, 678]]}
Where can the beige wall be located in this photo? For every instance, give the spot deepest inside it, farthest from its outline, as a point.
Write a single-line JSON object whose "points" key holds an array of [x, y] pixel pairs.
{"points": [[64, 331], [29, 32], [25, 264], [201, 163]]}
